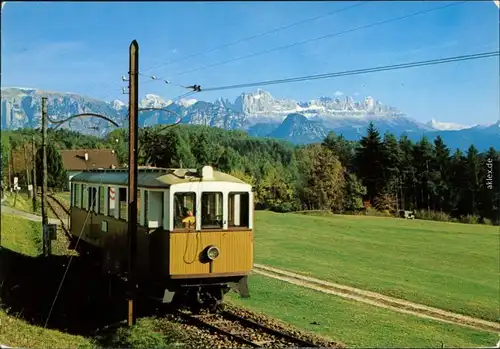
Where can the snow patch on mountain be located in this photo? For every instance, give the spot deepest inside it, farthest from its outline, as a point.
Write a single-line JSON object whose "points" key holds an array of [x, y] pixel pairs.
{"points": [[187, 102], [117, 104], [153, 101]]}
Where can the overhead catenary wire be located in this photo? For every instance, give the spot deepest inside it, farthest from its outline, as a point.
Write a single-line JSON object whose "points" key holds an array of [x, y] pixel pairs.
{"points": [[366, 26], [255, 36], [358, 71], [154, 78]]}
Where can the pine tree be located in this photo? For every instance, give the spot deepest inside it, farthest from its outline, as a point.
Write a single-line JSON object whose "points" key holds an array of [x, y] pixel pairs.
{"points": [[458, 184], [341, 148], [56, 174], [369, 162], [407, 174], [422, 155], [392, 157], [472, 175], [440, 174]]}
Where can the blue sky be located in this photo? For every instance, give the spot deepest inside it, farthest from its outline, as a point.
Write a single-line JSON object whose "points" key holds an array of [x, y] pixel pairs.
{"points": [[83, 48]]}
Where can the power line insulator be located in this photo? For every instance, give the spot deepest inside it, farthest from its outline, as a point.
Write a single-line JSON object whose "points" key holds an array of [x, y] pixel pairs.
{"points": [[124, 78], [196, 88]]}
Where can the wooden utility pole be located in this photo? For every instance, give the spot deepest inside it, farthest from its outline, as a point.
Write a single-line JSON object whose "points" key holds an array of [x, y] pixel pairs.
{"points": [[45, 175], [132, 176], [33, 148], [26, 164]]}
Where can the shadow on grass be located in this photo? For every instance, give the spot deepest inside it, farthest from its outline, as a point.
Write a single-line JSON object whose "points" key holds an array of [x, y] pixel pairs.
{"points": [[84, 305]]}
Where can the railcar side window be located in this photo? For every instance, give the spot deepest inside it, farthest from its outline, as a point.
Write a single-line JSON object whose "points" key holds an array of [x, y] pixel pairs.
{"points": [[123, 203], [111, 202], [239, 210], [155, 209], [184, 205], [93, 199], [85, 197], [211, 210], [102, 191], [77, 195]]}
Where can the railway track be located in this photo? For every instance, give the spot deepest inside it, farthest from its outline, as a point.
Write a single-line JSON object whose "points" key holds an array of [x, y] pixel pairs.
{"points": [[243, 331], [60, 211]]}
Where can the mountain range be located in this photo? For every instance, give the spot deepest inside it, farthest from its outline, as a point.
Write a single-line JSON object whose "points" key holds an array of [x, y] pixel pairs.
{"points": [[259, 113]]}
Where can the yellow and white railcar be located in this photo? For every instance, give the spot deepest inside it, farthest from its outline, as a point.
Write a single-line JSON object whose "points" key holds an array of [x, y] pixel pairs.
{"points": [[195, 229]]}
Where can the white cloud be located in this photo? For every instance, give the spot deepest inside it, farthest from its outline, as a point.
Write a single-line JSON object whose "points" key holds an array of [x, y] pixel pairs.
{"points": [[339, 93], [174, 50]]}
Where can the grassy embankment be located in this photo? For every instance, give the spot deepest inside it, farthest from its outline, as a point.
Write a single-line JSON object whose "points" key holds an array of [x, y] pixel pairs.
{"points": [[23, 237]]}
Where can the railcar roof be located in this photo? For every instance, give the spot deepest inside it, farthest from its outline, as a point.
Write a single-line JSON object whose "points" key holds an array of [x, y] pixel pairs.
{"points": [[152, 177]]}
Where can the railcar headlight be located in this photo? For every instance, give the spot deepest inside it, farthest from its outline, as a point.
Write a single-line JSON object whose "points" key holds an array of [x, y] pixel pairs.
{"points": [[212, 252]]}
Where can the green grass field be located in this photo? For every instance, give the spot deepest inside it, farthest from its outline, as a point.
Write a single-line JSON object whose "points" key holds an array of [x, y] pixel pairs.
{"points": [[447, 265], [353, 323]]}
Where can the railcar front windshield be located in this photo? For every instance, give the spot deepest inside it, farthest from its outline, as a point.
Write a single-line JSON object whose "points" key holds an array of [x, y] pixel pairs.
{"points": [[211, 210], [184, 206]]}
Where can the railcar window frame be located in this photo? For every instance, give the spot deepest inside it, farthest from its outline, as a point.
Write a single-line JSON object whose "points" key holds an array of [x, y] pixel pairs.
{"points": [[77, 195], [212, 225], [244, 211], [93, 203], [111, 212], [85, 197], [176, 210], [102, 199], [122, 200]]}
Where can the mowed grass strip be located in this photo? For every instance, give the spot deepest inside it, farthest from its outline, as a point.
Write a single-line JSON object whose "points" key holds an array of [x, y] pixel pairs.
{"points": [[446, 265], [353, 323]]}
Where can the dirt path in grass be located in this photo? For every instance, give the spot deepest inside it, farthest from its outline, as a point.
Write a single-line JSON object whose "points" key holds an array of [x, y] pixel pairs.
{"points": [[27, 215], [377, 299]]}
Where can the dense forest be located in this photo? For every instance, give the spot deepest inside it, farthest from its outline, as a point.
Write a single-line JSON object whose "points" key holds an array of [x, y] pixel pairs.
{"points": [[380, 174]]}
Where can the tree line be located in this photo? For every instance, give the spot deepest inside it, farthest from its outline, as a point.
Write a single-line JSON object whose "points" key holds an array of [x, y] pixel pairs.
{"points": [[379, 173]]}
